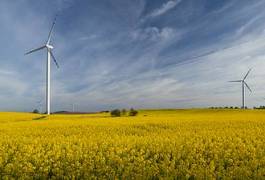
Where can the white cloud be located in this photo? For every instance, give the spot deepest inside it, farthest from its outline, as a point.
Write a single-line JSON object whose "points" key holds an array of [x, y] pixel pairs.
{"points": [[248, 25], [11, 86], [165, 8], [155, 34], [6, 72], [167, 33], [90, 37]]}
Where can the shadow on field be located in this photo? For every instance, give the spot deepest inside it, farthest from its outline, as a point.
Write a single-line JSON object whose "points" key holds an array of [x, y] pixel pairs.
{"points": [[40, 118]]}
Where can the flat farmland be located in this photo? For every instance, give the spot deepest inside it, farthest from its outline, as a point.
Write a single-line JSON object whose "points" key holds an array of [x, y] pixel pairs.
{"points": [[169, 144]]}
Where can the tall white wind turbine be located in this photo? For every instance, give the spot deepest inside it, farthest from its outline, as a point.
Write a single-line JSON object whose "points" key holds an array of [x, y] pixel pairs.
{"points": [[243, 82], [50, 55]]}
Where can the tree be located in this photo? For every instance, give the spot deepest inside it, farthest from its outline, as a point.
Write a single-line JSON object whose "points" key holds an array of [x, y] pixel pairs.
{"points": [[123, 112], [36, 111], [133, 112], [115, 113]]}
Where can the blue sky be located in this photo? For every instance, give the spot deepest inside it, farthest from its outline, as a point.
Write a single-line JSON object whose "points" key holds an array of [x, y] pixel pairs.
{"points": [[132, 53]]}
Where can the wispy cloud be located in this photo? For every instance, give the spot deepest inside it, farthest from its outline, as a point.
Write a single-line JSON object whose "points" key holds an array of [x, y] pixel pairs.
{"points": [[165, 8], [155, 34], [5, 72]]}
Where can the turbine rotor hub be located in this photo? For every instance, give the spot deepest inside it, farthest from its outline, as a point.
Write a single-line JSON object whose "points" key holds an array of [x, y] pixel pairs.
{"points": [[49, 46]]}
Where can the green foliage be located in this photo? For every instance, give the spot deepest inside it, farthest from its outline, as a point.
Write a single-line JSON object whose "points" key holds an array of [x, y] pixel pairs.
{"points": [[133, 112], [36, 111], [226, 107], [261, 107], [115, 113], [123, 112]]}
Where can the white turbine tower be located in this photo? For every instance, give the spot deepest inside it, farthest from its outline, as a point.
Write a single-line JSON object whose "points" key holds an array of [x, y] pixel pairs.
{"points": [[50, 55], [243, 82]]}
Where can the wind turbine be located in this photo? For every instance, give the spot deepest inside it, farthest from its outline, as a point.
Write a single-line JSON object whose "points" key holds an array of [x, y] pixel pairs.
{"points": [[50, 55], [73, 107], [39, 104], [243, 82]]}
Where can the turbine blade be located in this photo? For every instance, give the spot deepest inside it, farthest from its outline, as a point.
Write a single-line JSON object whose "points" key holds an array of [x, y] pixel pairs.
{"points": [[235, 81], [50, 33], [247, 86], [54, 60], [247, 74], [34, 50]]}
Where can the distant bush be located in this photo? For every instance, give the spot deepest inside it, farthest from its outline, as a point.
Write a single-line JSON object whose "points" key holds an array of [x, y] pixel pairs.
{"points": [[261, 107], [133, 112], [226, 107], [123, 112], [36, 111], [115, 113]]}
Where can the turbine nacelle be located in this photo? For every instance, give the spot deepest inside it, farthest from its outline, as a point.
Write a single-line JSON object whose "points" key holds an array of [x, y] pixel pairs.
{"points": [[49, 46]]}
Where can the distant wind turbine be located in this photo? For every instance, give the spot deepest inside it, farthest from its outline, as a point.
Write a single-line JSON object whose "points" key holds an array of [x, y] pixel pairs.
{"points": [[243, 82], [73, 107], [49, 48], [39, 104]]}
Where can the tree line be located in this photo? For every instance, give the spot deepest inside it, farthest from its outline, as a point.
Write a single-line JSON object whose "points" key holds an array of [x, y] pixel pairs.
{"points": [[123, 112]]}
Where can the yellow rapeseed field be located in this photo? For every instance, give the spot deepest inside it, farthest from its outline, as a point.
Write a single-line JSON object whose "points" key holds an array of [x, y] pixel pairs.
{"points": [[168, 144]]}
